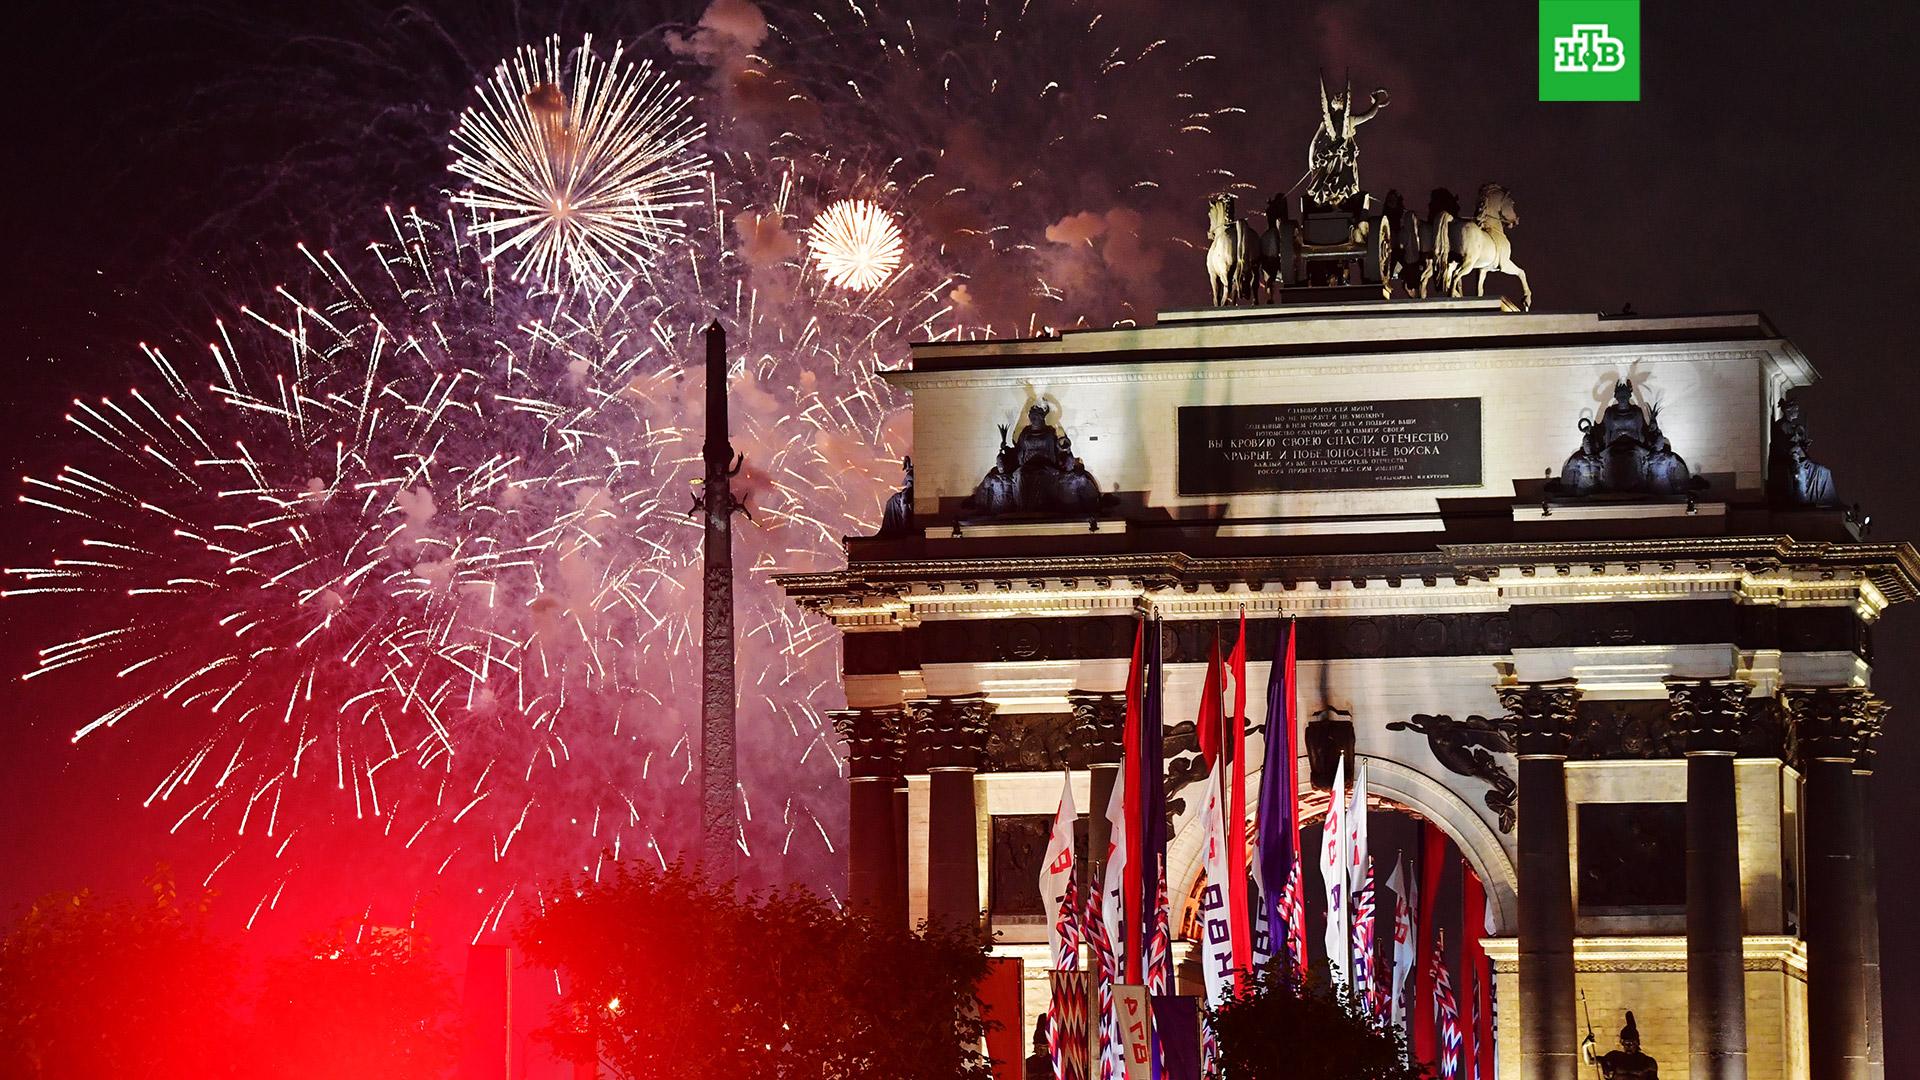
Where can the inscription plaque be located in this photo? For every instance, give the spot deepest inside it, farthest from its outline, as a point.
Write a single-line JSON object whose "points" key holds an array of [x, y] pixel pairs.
{"points": [[1329, 446]]}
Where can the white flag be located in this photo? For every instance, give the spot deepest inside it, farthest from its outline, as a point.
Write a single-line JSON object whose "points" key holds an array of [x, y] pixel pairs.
{"points": [[1405, 952], [1216, 927], [1357, 830], [1056, 877], [1333, 871], [1113, 888], [1356, 823]]}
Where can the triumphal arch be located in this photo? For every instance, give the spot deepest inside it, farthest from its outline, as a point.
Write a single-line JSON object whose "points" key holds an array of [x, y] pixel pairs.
{"points": [[1574, 587]]}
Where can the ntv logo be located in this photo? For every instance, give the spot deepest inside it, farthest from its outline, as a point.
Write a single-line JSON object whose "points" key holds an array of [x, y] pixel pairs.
{"points": [[1589, 50]]}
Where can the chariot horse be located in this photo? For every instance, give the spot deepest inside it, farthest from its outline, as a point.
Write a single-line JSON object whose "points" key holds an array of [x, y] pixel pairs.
{"points": [[1232, 250], [1484, 245]]}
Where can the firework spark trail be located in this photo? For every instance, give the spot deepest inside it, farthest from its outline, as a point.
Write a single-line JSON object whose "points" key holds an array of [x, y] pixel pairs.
{"points": [[405, 554], [855, 244], [590, 174]]}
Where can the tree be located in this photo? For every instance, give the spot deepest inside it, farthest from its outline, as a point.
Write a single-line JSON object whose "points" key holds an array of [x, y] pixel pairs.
{"points": [[1281, 1028], [668, 975], [95, 986], [369, 1003]]}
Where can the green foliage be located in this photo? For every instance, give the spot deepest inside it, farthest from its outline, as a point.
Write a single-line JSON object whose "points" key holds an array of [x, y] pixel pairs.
{"points": [[1282, 1028], [92, 986], [668, 975], [375, 1006]]}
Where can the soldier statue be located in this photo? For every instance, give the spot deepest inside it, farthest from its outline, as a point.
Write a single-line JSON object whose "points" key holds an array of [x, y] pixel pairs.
{"points": [[1333, 159], [1626, 1063]]}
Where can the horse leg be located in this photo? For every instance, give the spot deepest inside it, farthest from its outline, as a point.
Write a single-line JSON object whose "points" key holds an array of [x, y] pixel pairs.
{"points": [[1526, 291], [1480, 287]]}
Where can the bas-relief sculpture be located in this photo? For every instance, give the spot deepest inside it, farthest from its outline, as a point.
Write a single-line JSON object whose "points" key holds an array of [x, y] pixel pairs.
{"points": [[1467, 747], [1623, 452], [1037, 473]]}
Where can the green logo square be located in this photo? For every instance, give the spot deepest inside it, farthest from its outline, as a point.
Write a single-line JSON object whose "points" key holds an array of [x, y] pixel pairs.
{"points": [[1589, 50]]}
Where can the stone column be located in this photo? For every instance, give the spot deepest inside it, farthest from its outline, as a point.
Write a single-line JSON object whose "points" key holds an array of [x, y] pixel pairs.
{"points": [[948, 739], [873, 770], [900, 846], [1098, 719], [1709, 715], [1870, 893], [1540, 720], [1829, 728]]}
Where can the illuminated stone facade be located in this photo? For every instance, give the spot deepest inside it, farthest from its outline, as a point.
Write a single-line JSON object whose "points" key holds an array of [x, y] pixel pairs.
{"points": [[1634, 647]]}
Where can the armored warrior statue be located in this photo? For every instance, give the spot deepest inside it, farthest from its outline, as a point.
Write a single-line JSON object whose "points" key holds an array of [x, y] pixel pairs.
{"points": [[1793, 478], [1623, 451], [1036, 473], [1626, 1063], [1333, 159]]}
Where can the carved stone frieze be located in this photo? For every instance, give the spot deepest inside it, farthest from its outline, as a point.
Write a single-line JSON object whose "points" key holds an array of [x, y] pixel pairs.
{"points": [[876, 740], [1032, 742], [1467, 747], [1631, 730], [1541, 716], [948, 732]]}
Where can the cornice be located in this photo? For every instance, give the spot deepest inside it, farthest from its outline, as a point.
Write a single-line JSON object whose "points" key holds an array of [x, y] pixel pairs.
{"points": [[1460, 577]]}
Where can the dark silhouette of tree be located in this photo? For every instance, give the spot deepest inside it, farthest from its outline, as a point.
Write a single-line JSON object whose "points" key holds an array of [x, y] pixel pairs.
{"points": [[1281, 1028], [359, 1003], [92, 986], [668, 975]]}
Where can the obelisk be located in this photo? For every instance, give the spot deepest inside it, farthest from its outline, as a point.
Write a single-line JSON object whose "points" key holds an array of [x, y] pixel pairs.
{"points": [[718, 831]]}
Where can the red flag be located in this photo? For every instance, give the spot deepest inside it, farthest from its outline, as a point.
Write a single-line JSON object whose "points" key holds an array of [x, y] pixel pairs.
{"points": [[1433, 846], [1136, 709], [1476, 972], [1237, 813], [1210, 726]]}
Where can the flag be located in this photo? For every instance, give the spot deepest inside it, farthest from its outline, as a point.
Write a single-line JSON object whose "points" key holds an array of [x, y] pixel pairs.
{"points": [[1106, 970], [1363, 981], [1216, 938], [1109, 916], [1160, 954], [1433, 861], [1146, 809], [1476, 919], [1069, 1037], [1056, 882], [1125, 831], [1356, 822], [1446, 1013], [1277, 835], [1295, 912], [1236, 809], [1404, 952], [1333, 872]]}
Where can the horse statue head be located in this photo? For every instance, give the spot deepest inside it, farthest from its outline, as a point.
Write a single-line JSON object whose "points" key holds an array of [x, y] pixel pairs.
{"points": [[1496, 206], [1220, 212]]}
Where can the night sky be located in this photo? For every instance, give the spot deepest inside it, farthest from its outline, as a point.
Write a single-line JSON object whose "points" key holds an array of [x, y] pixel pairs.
{"points": [[159, 160]]}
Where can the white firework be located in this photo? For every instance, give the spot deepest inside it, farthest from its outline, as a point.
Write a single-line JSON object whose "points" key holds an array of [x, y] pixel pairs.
{"points": [[855, 244], [579, 167]]}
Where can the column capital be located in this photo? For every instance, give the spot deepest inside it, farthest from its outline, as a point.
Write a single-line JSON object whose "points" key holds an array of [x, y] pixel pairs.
{"points": [[1540, 716], [1708, 715], [1831, 723], [948, 732], [875, 740], [1099, 719]]}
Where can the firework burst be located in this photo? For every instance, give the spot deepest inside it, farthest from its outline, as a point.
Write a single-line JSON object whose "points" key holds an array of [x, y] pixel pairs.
{"points": [[582, 173], [855, 244]]}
